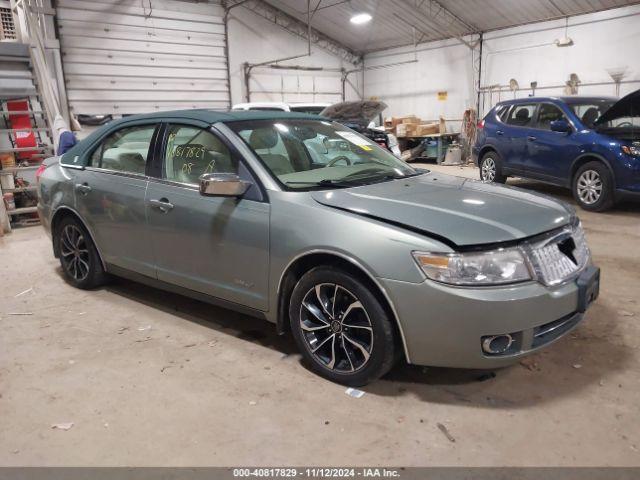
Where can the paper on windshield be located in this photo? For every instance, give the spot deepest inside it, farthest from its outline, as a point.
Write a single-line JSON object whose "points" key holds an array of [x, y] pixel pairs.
{"points": [[356, 140]]}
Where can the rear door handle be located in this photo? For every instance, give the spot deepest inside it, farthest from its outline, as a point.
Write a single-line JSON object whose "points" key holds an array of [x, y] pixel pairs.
{"points": [[83, 188], [499, 132], [163, 204], [531, 139]]}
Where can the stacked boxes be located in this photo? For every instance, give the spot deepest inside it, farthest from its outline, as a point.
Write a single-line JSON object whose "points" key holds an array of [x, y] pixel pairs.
{"points": [[412, 126]]}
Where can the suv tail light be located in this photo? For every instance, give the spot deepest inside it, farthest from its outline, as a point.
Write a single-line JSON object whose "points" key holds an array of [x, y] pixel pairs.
{"points": [[40, 171], [480, 124]]}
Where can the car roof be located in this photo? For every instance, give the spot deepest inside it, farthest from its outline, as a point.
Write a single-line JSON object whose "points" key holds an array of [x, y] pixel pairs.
{"points": [[214, 116], [566, 99]]}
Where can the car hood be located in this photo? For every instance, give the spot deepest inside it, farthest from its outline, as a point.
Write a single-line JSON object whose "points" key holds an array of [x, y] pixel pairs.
{"points": [[458, 211], [360, 113], [628, 106]]}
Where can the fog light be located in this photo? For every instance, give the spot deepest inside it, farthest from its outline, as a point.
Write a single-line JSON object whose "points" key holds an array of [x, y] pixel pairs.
{"points": [[496, 344]]}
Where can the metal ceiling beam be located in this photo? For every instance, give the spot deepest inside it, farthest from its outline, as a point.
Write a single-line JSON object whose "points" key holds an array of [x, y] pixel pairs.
{"points": [[420, 11], [301, 29]]}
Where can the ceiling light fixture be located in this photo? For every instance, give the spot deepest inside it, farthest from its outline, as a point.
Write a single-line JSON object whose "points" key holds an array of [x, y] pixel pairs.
{"points": [[360, 18]]}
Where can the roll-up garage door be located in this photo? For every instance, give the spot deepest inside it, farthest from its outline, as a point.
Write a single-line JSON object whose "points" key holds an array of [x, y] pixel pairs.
{"points": [[135, 56]]}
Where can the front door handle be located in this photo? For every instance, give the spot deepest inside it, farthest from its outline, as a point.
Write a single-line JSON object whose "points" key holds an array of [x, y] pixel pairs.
{"points": [[83, 188], [531, 138], [163, 204]]}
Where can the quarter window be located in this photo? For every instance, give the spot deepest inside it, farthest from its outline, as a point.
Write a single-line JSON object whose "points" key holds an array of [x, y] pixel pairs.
{"points": [[521, 115], [125, 150], [191, 152], [548, 113]]}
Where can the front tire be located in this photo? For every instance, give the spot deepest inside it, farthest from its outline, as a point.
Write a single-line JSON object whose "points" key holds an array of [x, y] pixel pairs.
{"points": [[593, 187], [78, 255], [491, 168], [341, 329]]}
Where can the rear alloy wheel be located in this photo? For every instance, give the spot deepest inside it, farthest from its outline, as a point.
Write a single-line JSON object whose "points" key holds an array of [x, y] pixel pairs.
{"points": [[491, 168], [592, 187], [341, 329], [78, 255]]}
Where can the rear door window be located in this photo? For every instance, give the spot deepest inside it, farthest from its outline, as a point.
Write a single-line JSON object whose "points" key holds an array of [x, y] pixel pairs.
{"points": [[522, 115], [125, 150]]}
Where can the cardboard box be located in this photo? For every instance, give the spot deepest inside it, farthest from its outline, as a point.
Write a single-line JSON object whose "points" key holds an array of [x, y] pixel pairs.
{"points": [[406, 130], [390, 123], [411, 119], [427, 129]]}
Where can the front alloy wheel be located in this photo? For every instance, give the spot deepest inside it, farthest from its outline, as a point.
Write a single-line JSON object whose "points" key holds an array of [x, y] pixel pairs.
{"points": [[336, 327], [589, 187], [342, 330]]}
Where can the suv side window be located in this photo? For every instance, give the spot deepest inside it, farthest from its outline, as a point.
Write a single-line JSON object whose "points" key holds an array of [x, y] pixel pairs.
{"points": [[125, 150], [521, 115], [548, 113], [192, 151]]}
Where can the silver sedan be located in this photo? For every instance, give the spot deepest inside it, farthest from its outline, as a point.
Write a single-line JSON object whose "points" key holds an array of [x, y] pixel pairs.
{"points": [[315, 228]]}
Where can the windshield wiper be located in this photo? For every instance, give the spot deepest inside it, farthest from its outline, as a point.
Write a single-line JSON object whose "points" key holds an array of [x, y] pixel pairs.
{"points": [[326, 183]]}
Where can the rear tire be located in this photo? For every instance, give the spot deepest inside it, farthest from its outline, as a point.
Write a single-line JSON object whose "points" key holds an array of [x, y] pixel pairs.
{"points": [[343, 332], [592, 187], [491, 168], [78, 255]]}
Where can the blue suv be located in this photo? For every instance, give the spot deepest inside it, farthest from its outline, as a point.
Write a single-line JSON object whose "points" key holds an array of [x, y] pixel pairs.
{"points": [[588, 144]]}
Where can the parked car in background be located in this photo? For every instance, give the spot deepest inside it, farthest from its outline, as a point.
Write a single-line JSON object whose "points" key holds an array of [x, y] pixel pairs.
{"points": [[314, 227], [360, 116], [312, 108], [588, 144]]}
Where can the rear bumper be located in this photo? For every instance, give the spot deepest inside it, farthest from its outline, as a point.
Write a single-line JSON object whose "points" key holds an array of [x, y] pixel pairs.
{"points": [[445, 326]]}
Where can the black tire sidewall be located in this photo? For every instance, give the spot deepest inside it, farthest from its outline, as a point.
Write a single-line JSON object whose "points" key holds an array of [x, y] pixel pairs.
{"points": [[606, 199], [499, 178], [383, 354], [96, 276]]}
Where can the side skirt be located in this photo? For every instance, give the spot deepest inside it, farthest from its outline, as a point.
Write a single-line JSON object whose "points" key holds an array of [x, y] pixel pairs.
{"points": [[169, 287]]}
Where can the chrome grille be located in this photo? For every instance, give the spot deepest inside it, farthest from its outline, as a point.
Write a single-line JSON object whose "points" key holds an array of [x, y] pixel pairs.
{"points": [[560, 256]]}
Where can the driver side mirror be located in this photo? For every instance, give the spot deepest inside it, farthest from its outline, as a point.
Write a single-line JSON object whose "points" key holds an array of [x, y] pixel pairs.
{"points": [[222, 185], [560, 126]]}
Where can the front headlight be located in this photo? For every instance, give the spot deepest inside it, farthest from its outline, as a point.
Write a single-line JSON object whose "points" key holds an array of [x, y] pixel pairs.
{"points": [[631, 150], [505, 265]]}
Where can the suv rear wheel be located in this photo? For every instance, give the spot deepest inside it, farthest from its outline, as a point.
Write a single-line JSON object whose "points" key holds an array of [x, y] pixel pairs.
{"points": [[341, 329], [491, 168], [593, 187]]}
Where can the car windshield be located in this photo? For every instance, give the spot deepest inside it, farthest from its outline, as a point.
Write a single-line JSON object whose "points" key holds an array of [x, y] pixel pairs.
{"points": [[589, 111], [312, 154]]}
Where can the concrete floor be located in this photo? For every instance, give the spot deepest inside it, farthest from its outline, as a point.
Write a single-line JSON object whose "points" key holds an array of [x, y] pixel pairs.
{"points": [[150, 378]]}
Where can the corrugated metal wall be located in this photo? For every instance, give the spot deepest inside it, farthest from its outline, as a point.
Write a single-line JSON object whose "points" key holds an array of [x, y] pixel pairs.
{"points": [[135, 56]]}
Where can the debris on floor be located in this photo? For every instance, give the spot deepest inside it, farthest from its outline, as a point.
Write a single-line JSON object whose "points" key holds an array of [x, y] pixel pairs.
{"points": [[143, 340], [445, 432], [624, 313], [20, 313], [24, 293], [253, 402], [142, 329], [354, 392], [121, 330], [212, 343], [62, 426], [530, 364], [577, 365], [190, 345]]}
